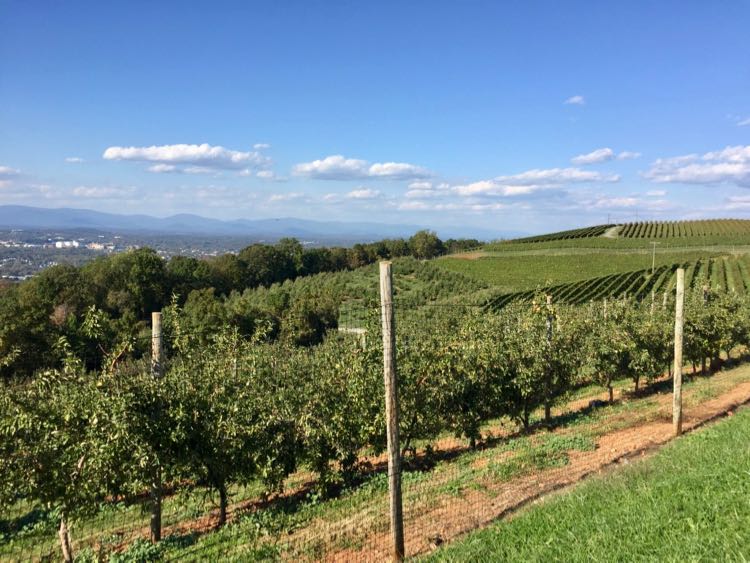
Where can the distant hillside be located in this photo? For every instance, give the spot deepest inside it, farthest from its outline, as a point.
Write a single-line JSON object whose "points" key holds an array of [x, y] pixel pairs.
{"points": [[721, 274], [23, 217], [651, 230]]}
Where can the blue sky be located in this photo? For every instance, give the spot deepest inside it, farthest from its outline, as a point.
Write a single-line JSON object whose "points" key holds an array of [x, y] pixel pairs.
{"points": [[525, 116]]}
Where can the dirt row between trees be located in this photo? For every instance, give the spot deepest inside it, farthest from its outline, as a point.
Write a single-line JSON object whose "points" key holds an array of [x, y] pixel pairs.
{"points": [[451, 516]]}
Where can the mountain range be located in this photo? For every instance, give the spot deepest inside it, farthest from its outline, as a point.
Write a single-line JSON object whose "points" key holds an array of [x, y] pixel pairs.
{"points": [[26, 217]]}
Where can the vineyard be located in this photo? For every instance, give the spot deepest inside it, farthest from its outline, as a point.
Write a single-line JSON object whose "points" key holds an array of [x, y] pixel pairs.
{"points": [[585, 232], [719, 274], [684, 229], [652, 230]]}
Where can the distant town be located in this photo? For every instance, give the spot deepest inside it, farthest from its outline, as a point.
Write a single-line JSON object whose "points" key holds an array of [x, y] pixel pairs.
{"points": [[24, 253]]}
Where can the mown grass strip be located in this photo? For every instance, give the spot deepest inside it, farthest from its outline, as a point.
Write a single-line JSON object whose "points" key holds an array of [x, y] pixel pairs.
{"points": [[687, 503]]}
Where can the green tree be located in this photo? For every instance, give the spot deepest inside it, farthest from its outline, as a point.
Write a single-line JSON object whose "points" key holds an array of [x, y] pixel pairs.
{"points": [[425, 245]]}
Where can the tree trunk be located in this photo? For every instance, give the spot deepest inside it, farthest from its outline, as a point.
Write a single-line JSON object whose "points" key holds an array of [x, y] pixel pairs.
{"points": [[703, 366], [716, 363], [611, 394], [222, 505], [525, 419], [637, 380], [67, 550], [156, 506], [547, 413], [473, 443]]}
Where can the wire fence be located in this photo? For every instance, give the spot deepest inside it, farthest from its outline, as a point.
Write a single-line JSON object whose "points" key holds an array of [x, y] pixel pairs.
{"points": [[487, 425]]}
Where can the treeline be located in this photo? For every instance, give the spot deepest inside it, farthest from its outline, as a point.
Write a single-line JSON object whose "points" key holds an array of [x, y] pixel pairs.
{"points": [[126, 288], [236, 410]]}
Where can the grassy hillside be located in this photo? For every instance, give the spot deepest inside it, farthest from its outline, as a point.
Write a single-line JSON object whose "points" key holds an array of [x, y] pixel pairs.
{"points": [[584, 232], [722, 274], [687, 503], [711, 229], [520, 272], [610, 260]]}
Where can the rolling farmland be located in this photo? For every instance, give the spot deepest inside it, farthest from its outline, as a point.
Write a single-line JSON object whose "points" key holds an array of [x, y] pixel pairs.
{"points": [[720, 274], [650, 230]]}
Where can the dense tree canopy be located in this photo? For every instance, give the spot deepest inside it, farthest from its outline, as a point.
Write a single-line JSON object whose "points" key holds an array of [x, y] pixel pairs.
{"points": [[126, 288]]}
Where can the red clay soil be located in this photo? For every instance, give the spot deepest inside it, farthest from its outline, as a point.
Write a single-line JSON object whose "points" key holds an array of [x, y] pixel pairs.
{"points": [[453, 516]]}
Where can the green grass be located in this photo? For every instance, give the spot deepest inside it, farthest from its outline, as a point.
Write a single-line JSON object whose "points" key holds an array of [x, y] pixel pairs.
{"points": [[689, 502], [510, 273]]}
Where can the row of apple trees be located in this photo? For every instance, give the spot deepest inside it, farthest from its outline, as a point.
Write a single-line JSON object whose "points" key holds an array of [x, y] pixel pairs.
{"points": [[236, 410]]}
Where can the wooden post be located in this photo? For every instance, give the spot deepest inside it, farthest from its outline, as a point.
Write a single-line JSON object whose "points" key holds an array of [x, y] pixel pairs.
{"points": [[157, 366], [677, 372], [652, 303], [548, 376], [157, 370], [391, 409]]}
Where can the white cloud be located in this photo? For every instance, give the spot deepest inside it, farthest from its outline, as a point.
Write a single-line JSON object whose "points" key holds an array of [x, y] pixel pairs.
{"points": [[337, 167], [198, 170], [427, 190], [743, 122], [363, 193], [738, 202], [397, 171], [576, 100], [533, 181], [264, 174], [603, 155], [599, 155], [261, 146], [557, 176], [628, 155], [162, 168], [74, 160], [334, 167], [615, 202], [420, 186], [656, 193], [730, 165], [8, 172], [95, 192], [286, 197], [416, 205], [422, 194], [204, 155]]}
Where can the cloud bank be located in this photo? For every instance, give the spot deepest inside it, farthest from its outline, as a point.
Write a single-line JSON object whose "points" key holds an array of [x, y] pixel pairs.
{"points": [[730, 165], [338, 167], [195, 157]]}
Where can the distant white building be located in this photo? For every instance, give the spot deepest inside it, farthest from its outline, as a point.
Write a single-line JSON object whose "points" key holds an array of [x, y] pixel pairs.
{"points": [[66, 244]]}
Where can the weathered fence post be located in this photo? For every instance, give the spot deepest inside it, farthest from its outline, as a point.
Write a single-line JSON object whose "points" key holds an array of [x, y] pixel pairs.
{"points": [[157, 370], [157, 349], [391, 409], [677, 372], [548, 376], [652, 304]]}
